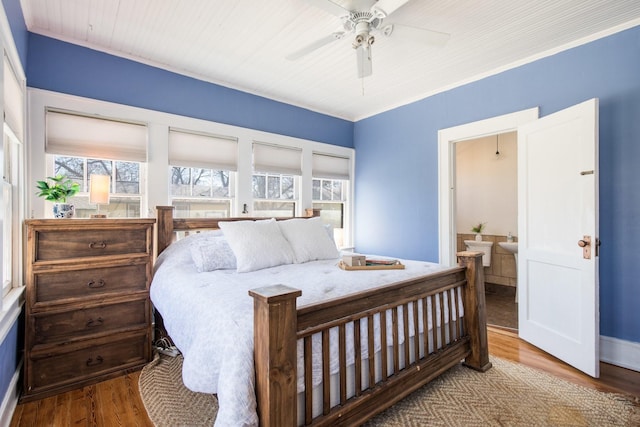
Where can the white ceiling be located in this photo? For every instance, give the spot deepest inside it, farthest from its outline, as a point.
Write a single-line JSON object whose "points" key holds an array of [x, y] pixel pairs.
{"points": [[242, 44]]}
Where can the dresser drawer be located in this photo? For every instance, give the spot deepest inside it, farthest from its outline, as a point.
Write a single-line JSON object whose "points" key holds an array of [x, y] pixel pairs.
{"points": [[89, 242], [54, 370], [98, 282], [80, 323]]}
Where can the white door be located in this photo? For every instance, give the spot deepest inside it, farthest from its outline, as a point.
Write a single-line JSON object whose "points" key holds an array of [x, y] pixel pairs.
{"points": [[557, 207]]}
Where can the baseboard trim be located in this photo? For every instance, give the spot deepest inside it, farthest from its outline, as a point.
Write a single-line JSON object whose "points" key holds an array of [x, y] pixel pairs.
{"points": [[10, 400], [615, 351]]}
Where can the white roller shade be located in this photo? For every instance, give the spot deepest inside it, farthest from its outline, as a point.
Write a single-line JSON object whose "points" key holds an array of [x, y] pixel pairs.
{"points": [[13, 101], [71, 134], [202, 151], [277, 159], [330, 167]]}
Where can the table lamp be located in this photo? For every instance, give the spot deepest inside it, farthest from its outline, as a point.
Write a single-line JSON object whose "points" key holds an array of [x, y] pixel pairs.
{"points": [[99, 192]]}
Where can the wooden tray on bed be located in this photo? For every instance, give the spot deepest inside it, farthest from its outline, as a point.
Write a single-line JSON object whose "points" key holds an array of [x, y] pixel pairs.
{"points": [[396, 266]]}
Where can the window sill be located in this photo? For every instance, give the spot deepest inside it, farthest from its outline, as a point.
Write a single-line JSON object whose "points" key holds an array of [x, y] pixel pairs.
{"points": [[11, 307]]}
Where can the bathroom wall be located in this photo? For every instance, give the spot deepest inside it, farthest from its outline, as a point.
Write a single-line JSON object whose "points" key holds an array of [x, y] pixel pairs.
{"points": [[487, 184]]}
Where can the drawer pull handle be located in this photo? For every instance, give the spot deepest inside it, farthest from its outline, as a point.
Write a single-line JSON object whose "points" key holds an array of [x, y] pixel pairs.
{"points": [[93, 323], [96, 245], [94, 285], [91, 362]]}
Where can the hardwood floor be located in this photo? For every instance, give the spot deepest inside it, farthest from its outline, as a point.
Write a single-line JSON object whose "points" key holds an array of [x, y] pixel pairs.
{"points": [[110, 403], [117, 402], [505, 344]]}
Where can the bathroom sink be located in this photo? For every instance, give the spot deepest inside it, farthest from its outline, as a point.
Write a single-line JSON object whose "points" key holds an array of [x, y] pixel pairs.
{"points": [[509, 246]]}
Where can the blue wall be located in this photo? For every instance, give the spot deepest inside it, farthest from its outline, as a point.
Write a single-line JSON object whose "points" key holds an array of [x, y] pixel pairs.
{"points": [[67, 68], [397, 161], [8, 359], [13, 10]]}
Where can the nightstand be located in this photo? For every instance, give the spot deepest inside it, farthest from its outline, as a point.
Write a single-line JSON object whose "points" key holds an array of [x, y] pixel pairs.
{"points": [[88, 313]]}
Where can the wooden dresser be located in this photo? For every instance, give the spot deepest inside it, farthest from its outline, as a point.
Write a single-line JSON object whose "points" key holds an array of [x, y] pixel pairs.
{"points": [[88, 313]]}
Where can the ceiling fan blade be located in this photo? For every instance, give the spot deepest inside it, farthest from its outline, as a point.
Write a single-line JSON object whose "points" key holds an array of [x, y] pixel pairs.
{"points": [[384, 8], [365, 65], [331, 7], [419, 35], [315, 45]]}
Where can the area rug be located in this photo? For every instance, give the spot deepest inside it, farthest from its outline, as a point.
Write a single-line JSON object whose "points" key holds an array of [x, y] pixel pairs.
{"points": [[509, 394]]}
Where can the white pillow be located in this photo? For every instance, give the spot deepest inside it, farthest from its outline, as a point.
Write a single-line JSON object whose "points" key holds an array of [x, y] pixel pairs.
{"points": [[309, 239], [215, 254], [257, 244]]}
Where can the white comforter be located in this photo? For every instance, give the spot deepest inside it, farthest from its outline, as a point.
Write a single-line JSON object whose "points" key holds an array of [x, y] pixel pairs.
{"points": [[209, 316]]}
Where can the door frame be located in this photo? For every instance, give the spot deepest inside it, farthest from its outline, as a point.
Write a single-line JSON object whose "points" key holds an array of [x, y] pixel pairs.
{"points": [[447, 138]]}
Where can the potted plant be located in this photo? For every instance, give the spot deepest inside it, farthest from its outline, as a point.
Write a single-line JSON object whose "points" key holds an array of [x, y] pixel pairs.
{"points": [[57, 189], [478, 230]]}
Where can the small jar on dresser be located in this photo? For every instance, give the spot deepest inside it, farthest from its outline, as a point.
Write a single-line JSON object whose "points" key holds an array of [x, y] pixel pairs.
{"points": [[87, 311]]}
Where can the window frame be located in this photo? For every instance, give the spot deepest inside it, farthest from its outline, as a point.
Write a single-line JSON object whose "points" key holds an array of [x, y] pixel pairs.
{"points": [[83, 194], [156, 185], [201, 199], [14, 172]]}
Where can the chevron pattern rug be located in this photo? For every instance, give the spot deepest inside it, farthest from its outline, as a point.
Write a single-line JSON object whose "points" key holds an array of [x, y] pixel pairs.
{"points": [[168, 402], [509, 394]]}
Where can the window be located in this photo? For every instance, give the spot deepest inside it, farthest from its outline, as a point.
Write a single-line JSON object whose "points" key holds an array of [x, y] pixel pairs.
{"points": [[12, 179], [276, 169], [7, 237], [11, 214], [198, 192], [79, 145], [202, 173], [330, 188], [274, 195], [125, 192]]}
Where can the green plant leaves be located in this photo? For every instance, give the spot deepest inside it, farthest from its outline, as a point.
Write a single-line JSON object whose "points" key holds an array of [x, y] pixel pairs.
{"points": [[57, 188]]}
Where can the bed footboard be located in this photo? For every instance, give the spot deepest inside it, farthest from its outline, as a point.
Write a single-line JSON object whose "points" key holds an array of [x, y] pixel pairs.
{"points": [[411, 332]]}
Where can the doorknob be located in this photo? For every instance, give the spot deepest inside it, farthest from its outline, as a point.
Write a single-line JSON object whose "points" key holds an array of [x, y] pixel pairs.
{"points": [[585, 244]]}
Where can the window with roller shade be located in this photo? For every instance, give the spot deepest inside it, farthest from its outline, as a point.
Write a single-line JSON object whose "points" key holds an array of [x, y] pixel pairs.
{"points": [[79, 145], [276, 174], [202, 174], [330, 189], [12, 177]]}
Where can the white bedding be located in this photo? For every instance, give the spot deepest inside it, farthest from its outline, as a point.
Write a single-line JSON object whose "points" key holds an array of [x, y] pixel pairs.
{"points": [[209, 316]]}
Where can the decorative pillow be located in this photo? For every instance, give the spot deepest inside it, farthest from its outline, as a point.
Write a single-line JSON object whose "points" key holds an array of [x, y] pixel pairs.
{"points": [[309, 239], [257, 244], [180, 250], [215, 254]]}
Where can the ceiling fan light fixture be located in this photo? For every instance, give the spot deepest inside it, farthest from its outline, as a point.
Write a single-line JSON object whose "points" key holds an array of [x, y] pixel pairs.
{"points": [[363, 24]]}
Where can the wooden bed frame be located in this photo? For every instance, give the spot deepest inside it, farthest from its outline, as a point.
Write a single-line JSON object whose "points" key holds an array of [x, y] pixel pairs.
{"points": [[279, 324]]}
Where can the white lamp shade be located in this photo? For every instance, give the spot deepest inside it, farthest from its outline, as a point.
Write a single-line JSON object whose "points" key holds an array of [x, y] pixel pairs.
{"points": [[99, 189]]}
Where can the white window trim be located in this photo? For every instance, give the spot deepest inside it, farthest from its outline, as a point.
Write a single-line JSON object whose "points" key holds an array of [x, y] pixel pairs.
{"points": [[11, 306], [158, 124]]}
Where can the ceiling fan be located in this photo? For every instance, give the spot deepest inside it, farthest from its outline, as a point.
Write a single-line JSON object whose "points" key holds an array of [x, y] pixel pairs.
{"points": [[364, 26]]}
